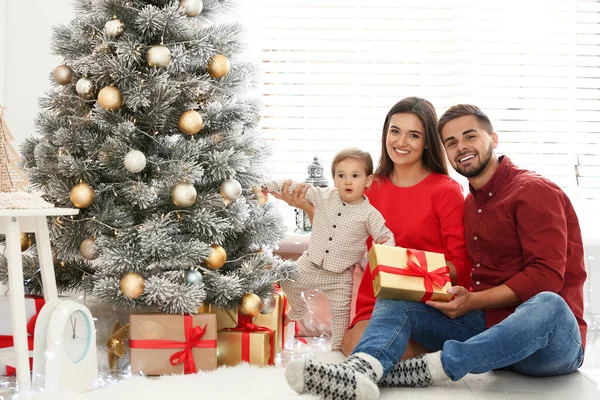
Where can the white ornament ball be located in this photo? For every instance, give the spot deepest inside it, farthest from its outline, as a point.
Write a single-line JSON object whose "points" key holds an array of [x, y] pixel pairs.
{"points": [[135, 161], [85, 88], [268, 304], [191, 8], [158, 56], [231, 189], [193, 276], [114, 28], [184, 194]]}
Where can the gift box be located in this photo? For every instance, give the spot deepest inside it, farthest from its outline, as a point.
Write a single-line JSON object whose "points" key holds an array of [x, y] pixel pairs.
{"points": [[161, 344], [408, 274], [246, 343], [33, 305], [272, 320]]}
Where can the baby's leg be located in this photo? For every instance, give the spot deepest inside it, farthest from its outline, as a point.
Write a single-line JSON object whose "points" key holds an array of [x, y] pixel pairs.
{"points": [[338, 289], [293, 290]]}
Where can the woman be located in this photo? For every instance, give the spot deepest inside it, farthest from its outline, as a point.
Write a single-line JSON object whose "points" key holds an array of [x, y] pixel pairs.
{"points": [[421, 204]]}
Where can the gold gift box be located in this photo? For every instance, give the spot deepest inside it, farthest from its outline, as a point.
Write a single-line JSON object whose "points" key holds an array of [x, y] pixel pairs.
{"points": [[273, 320], [401, 287], [229, 350], [169, 327]]}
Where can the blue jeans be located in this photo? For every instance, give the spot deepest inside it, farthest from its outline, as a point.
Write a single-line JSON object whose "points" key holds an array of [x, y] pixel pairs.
{"points": [[540, 338]]}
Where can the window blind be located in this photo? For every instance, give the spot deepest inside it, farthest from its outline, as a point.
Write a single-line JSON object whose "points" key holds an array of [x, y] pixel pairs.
{"points": [[331, 69]]}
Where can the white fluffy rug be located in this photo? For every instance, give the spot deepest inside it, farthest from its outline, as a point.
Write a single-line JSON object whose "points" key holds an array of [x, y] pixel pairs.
{"points": [[252, 383], [240, 382]]}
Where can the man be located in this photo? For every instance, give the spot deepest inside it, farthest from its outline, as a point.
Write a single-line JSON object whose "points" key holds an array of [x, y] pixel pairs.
{"points": [[525, 312]]}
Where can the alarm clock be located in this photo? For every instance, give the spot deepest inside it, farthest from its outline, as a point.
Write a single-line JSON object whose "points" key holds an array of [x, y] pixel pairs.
{"points": [[64, 355]]}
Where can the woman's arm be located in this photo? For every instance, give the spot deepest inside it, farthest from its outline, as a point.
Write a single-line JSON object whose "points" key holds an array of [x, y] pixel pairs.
{"points": [[449, 206]]}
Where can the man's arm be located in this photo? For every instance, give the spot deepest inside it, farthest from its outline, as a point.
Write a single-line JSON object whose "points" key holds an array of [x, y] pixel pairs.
{"points": [[542, 230]]}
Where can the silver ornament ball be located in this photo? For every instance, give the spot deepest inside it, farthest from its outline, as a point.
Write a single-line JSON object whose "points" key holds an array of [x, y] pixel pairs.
{"points": [[134, 161], [193, 276], [114, 28], [191, 8], [158, 56], [268, 304], [184, 194], [88, 249], [62, 74], [85, 88], [231, 189]]}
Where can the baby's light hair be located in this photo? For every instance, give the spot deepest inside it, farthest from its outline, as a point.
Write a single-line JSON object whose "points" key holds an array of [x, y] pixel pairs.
{"points": [[355, 153]]}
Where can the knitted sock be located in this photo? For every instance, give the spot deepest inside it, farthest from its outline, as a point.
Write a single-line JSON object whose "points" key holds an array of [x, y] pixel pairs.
{"points": [[415, 372], [354, 379]]}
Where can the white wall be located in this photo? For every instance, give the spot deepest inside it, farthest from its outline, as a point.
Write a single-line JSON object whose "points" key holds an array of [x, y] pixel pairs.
{"points": [[27, 63]]}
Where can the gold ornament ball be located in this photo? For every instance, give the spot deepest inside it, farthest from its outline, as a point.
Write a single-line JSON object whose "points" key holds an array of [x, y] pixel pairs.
{"points": [[63, 74], [204, 308], [82, 195], [114, 28], [25, 241], [132, 285], [85, 88], [191, 122], [88, 249], [231, 189], [191, 8], [250, 305], [260, 197], [217, 257], [218, 66], [158, 56], [110, 98], [184, 194]]}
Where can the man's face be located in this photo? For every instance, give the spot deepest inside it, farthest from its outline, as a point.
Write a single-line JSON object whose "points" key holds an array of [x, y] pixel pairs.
{"points": [[468, 146]]}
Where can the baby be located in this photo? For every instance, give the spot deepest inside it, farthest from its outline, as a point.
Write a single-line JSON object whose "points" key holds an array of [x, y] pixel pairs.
{"points": [[343, 221]]}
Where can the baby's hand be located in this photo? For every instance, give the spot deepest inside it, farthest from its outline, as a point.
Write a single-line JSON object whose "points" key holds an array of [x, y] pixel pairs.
{"points": [[382, 240]]}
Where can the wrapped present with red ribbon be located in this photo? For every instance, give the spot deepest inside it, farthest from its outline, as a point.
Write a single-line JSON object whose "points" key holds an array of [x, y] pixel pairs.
{"points": [[246, 342], [408, 274], [273, 320], [162, 344], [33, 305]]}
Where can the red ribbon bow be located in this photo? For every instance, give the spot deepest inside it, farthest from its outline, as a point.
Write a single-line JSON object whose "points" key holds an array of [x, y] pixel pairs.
{"points": [[8, 341], [439, 276], [193, 338], [245, 326]]}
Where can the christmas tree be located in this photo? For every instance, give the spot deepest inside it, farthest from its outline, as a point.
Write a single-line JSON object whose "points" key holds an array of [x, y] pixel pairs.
{"points": [[150, 129], [11, 176]]}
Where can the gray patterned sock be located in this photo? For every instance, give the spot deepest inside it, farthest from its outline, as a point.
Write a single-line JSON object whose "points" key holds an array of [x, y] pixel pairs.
{"points": [[416, 372], [354, 379]]}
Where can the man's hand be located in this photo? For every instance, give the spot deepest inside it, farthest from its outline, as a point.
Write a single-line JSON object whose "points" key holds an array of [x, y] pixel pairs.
{"points": [[460, 304]]}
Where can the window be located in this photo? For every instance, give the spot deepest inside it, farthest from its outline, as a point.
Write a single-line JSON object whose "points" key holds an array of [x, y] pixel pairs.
{"points": [[333, 68]]}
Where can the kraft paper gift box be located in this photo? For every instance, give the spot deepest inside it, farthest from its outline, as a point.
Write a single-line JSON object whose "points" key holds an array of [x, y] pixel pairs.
{"points": [[273, 320], [237, 345], [407, 274], [33, 305], [157, 343]]}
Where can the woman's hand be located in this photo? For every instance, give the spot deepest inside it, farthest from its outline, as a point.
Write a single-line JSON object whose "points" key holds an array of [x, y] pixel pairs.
{"points": [[297, 198]]}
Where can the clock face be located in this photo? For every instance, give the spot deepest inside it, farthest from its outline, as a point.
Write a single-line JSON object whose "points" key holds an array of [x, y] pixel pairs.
{"points": [[76, 336]]}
